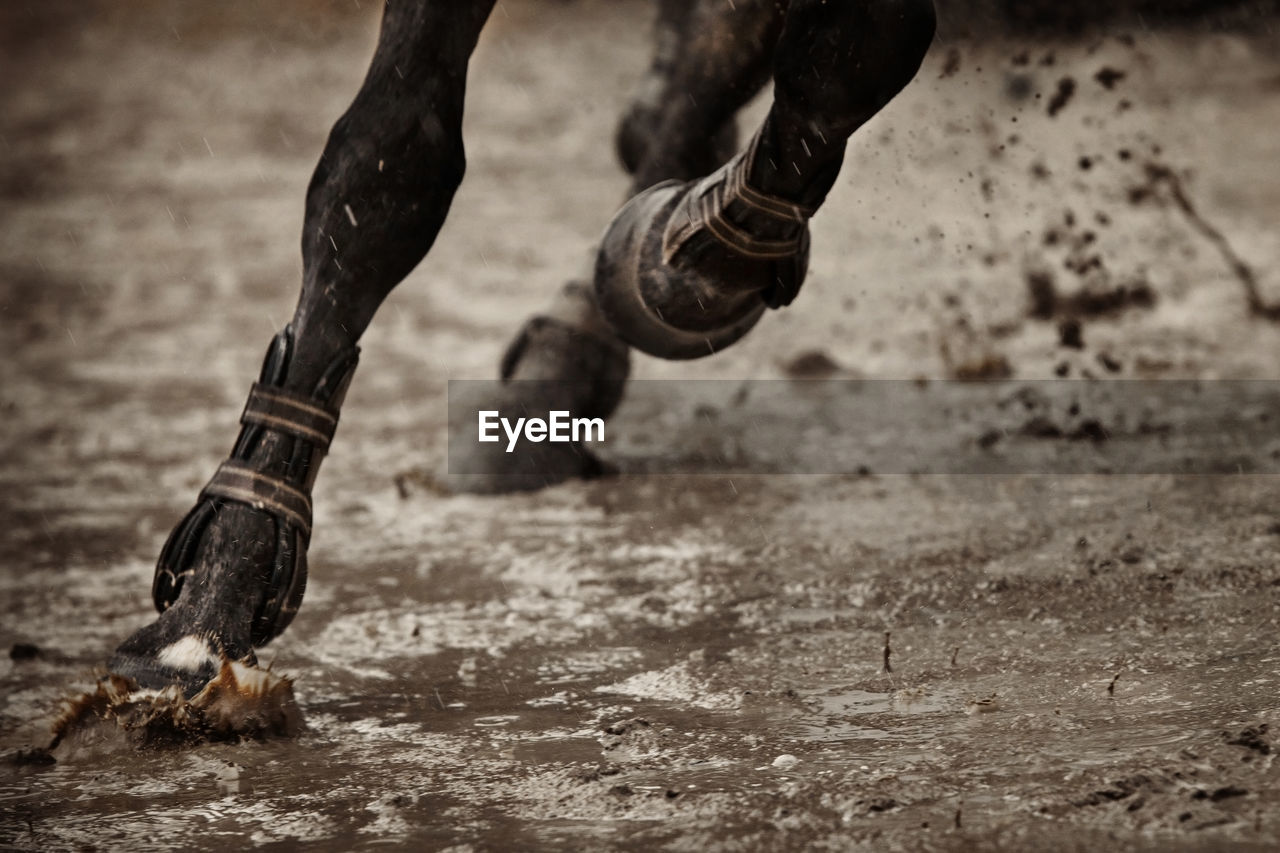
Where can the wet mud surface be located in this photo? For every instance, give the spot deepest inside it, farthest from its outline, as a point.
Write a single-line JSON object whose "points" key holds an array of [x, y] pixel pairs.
{"points": [[881, 657]]}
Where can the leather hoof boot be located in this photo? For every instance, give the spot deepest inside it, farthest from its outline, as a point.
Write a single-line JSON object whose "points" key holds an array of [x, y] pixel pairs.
{"points": [[686, 269], [308, 420]]}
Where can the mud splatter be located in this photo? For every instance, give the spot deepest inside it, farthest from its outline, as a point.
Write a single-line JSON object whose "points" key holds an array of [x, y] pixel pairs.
{"points": [[1164, 182], [1046, 303], [1062, 96], [1108, 77], [811, 364], [240, 702], [951, 66]]}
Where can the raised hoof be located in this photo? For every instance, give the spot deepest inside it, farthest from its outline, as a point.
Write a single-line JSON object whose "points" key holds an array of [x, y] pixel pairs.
{"points": [[660, 309]]}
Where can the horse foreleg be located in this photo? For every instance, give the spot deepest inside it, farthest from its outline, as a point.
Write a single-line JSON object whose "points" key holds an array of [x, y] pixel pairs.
{"points": [[232, 574]]}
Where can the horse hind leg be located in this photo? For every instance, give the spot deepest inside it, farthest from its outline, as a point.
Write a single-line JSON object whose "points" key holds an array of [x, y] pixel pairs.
{"points": [[688, 267], [710, 58]]}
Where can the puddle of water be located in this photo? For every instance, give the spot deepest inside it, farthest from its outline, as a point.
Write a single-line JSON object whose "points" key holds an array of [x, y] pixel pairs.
{"points": [[835, 702], [836, 715], [558, 750]]}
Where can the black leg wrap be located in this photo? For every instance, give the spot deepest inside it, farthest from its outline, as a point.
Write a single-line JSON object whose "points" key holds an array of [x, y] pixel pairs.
{"points": [[309, 420]]}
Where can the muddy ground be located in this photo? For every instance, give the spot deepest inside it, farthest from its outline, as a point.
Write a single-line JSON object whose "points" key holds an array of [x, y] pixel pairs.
{"points": [[1079, 660]]}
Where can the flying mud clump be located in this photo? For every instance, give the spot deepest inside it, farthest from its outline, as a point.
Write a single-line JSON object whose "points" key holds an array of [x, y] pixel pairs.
{"points": [[1085, 209]]}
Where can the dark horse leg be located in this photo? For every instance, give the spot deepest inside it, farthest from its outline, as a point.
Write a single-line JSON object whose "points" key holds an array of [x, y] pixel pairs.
{"points": [[710, 58], [232, 573], [688, 267]]}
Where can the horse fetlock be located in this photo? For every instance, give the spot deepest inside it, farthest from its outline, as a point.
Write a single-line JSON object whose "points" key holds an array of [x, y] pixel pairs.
{"points": [[184, 648]]}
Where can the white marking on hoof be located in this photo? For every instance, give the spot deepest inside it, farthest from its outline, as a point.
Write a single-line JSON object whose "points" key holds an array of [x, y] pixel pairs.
{"points": [[191, 654]]}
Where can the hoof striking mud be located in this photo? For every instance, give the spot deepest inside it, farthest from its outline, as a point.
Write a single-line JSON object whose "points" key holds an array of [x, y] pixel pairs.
{"points": [[240, 702]]}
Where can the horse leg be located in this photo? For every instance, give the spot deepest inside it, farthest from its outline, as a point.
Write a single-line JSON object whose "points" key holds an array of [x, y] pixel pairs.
{"points": [[232, 574], [710, 58], [687, 268]]}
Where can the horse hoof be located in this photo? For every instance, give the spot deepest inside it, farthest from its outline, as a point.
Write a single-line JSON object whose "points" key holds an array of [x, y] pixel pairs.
{"points": [[658, 309], [551, 366], [503, 466]]}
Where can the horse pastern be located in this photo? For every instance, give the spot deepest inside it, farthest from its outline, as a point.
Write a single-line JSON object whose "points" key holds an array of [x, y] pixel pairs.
{"points": [[191, 653]]}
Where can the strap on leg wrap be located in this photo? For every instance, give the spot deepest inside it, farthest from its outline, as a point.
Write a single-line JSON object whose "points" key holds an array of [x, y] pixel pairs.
{"points": [[705, 210], [310, 420]]}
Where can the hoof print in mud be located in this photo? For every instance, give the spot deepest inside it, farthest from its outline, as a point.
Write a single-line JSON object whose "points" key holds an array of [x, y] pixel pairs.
{"points": [[241, 702]]}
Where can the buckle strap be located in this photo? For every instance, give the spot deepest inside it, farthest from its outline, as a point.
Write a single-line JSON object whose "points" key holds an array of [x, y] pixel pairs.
{"points": [[237, 481], [295, 414], [739, 190], [704, 209], [706, 214]]}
